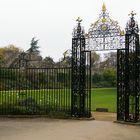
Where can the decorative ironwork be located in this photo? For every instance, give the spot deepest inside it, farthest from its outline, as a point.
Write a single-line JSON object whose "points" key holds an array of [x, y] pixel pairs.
{"points": [[78, 31], [129, 75], [104, 34], [132, 25], [68, 90], [79, 106], [121, 84]]}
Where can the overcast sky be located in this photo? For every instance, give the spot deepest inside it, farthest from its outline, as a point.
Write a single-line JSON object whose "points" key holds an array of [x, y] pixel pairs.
{"points": [[52, 21]]}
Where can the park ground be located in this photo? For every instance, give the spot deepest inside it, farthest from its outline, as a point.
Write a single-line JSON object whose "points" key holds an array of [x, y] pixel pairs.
{"points": [[103, 128]]}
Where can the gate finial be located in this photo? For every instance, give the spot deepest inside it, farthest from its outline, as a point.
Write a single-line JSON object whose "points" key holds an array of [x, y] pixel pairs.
{"points": [[104, 7], [132, 25], [78, 31], [79, 20], [132, 14]]}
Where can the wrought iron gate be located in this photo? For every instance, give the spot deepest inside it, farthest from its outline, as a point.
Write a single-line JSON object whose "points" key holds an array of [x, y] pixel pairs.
{"points": [[37, 91], [128, 76]]}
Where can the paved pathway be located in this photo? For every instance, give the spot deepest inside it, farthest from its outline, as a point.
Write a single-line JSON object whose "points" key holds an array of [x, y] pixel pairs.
{"points": [[55, 129]]}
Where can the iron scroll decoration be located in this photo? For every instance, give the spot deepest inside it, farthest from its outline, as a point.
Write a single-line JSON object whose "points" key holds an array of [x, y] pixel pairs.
{"points": [[132, 25], [104, 34]]}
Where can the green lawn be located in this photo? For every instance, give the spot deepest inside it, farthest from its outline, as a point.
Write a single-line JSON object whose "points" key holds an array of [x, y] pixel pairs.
{"points": [[104, 98], [100, 98], [42, 97]]}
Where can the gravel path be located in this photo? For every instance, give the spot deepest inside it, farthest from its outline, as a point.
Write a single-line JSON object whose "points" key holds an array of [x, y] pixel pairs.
{"points": [[56, 129]]}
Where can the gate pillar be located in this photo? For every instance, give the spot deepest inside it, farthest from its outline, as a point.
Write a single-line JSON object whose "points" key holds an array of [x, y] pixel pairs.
{"points": [[129, 75], [78, 100]]}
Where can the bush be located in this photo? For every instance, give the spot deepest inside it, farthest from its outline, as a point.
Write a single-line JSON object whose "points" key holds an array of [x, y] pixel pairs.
{"points": [[108, 78]]}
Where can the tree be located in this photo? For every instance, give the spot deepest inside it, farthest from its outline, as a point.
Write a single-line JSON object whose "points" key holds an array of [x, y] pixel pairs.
{"points": [[48, 62], [1, 53], [110, 60], [34, 46], [95, 58], [109, 75], [8, 54], [66, 61], [33, 54]]}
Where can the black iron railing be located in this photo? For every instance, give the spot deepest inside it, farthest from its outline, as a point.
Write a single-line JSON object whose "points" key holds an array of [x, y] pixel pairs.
{"points": [[35, 91]]}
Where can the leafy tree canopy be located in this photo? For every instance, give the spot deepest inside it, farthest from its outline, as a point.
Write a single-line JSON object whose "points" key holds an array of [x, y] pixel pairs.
{"points": [[34, 46]]}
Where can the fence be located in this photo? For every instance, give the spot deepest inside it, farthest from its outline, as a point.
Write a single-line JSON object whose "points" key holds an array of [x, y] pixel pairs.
{"points": [[35, 91]]}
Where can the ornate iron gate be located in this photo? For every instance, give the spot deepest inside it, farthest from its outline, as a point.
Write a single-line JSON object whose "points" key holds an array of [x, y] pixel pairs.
{"points": [[128, 69], [38, 91]]}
